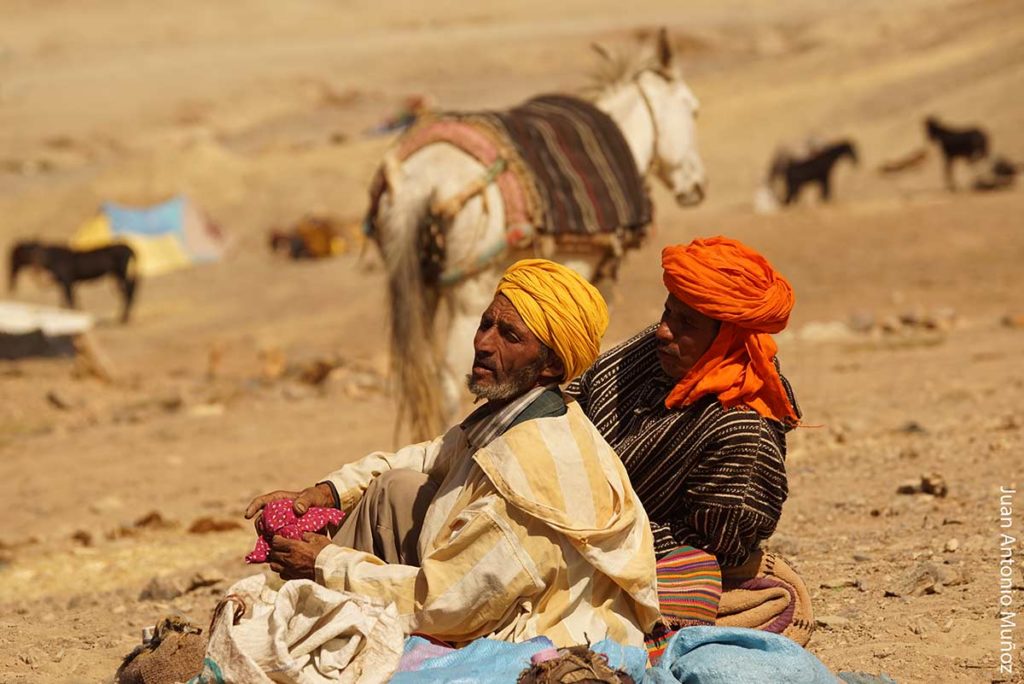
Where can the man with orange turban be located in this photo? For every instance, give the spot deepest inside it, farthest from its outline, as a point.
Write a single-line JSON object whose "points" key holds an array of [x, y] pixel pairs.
{"points": [[521, 521], [698, 412]]}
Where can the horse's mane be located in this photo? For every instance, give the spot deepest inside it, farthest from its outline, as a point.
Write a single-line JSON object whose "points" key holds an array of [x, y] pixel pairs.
{"points": [[843, 143], [619, 68]]}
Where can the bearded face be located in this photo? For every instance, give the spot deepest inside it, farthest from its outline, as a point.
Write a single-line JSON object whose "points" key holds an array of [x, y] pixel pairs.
{"points": [[508, 359]]}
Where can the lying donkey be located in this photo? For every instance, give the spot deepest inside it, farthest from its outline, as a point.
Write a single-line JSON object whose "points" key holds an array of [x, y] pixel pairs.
{"points": [[68, 266]]}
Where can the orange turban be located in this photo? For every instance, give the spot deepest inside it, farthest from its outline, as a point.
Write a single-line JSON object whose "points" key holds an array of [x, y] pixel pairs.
{"points": [[726, 280]]}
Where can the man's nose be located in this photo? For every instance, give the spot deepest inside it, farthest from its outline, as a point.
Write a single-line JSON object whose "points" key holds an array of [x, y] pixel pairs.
{"points": [[483, 342], [662, 332]]}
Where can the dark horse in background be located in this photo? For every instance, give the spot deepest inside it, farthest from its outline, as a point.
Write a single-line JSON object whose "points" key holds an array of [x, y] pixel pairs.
{"points": [[69, 266], [816, 167], [969, 143]]}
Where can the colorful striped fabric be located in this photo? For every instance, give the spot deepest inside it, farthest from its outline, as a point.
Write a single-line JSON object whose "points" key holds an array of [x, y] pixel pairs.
{"points": [[584, 171], [689, 589]]}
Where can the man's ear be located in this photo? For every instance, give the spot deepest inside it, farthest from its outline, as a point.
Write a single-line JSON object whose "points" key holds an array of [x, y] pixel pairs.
{"points": [[554, 369]]}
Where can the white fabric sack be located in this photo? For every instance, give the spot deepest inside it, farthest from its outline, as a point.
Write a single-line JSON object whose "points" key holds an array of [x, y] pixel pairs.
{"points": [[302, 633], [765, 201]]}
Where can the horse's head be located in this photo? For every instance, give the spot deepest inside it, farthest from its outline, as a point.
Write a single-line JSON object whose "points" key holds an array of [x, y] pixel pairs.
{"points": [[850, 149], [677, 161], [665, 137], [932, 126], [22, 254]]}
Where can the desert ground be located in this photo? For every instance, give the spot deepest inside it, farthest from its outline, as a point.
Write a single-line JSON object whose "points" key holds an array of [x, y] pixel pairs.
{"points": [[903, 347]]}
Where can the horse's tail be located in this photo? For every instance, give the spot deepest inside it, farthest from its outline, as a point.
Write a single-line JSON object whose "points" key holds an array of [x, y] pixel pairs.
{"points": [[14, 267], [982, 144], [128, 275], [402, 224], [131, 269]]}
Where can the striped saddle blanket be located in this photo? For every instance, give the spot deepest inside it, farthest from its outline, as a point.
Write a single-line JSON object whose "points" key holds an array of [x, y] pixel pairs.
{"points": [[562, 166]]}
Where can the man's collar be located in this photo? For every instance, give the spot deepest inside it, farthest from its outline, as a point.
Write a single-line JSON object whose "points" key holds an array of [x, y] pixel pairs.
{"points": [[486, 423]]}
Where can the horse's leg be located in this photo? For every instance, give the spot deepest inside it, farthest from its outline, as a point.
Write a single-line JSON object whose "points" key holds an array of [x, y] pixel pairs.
{"points": [[826, 188], [792, 190], [69, 293], [127, 286], [18, 260], [950, 185]]}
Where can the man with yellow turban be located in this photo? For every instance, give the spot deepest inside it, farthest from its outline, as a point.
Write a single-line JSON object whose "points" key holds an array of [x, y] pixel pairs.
{"points": [[519, 522], [697, 410]]}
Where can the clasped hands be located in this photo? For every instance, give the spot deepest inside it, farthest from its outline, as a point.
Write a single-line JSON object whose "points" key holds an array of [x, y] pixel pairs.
{"points": [[295, 558]]}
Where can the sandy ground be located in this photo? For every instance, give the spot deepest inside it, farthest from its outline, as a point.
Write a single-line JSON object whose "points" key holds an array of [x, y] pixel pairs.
{"points": [[256, 110]]}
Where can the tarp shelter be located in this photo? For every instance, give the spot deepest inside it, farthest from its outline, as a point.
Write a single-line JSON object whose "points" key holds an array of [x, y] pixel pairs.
{"points": [[165, 237], [29, 330]]}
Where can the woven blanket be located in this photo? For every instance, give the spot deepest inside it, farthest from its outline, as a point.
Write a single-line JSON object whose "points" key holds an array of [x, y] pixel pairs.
{"points": [[766, 593], [567, 167], [689, 590], [584, 171]]}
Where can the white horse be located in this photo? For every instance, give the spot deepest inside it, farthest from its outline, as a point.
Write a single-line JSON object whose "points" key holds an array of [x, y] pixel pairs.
{"points": [[656, 112]]}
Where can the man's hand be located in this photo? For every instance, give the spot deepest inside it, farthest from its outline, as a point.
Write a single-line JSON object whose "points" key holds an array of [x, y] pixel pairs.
{"points": [[317, 496], [295, 559]]}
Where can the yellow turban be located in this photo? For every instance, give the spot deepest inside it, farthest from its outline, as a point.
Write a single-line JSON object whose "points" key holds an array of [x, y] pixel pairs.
{"points": [[560, 307]]}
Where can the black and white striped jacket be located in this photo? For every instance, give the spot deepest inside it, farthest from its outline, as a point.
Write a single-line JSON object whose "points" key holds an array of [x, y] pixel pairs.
{"points": [[708, 477]]}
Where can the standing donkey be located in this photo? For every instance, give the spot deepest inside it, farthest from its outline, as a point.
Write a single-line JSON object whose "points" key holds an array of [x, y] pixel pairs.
{"points": [[815, 168], [68, 267], [459, 258], [971, 144]]}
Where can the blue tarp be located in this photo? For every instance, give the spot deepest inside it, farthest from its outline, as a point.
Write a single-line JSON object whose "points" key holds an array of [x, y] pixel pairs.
{"points": [[159, 219], [704, 655], [733, 655]]}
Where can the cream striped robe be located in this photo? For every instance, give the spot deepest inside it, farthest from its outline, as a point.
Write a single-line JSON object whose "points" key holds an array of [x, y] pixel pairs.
{"points": [[537, 533]]}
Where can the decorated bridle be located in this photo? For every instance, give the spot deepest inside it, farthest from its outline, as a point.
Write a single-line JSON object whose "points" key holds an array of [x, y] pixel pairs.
{"points": [[657, 166]]}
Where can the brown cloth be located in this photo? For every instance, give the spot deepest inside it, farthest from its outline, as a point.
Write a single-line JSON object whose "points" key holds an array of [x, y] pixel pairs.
{"points": [[388, 518], [574, 665], [766, 593], [174, 654]]}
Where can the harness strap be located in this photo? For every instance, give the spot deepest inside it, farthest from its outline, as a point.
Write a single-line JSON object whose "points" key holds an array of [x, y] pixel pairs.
{"points": [[656, 163], [443, 211], [446, 211], [448, 208], [654, 125], [392, 170], [453, 276]]}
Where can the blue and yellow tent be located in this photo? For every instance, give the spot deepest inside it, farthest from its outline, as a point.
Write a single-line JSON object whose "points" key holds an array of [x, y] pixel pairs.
{"points": [[165, 237]]}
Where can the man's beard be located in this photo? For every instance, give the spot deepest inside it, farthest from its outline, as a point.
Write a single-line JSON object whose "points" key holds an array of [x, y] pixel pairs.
{"points": [[522, 381]]}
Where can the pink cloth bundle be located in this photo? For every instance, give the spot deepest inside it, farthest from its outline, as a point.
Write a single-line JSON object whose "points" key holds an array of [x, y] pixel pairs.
{"points": [[279, 518]]}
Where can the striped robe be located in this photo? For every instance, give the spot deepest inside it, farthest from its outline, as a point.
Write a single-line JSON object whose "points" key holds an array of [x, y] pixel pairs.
{"points": [[536, 533], [709, 478]]}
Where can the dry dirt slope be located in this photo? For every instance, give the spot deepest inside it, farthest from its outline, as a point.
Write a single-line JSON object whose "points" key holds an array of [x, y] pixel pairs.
{"points": [[259, 119]]}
